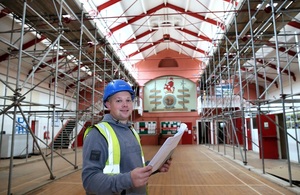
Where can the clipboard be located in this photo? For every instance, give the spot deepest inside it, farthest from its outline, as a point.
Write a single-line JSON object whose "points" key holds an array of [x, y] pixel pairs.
{"points": [[167, 149]]}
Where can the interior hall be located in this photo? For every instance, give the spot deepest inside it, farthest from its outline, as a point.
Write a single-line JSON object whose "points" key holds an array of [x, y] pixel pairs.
{"points": [[228, 69]]}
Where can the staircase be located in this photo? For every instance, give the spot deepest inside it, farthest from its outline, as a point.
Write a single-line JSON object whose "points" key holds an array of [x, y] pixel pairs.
{"points": [[63, 139]]}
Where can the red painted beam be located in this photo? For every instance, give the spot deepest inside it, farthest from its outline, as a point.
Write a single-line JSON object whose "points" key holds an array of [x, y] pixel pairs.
{"points": [[51, 61], [137, 37], [68, 72], [232, 2], [294, 24], [33, 42], [273, 66], [205, 38], [268, 79], [25, 46], [168, 5], [188, 46], [74, 84], [145, 48], [263, 77], [107, 4], [282, 49], [171, 40], [136, 18], [195, 15], [4, 12], [290, 52]]}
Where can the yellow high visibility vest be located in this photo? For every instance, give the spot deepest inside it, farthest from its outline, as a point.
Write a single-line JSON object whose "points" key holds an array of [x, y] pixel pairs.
{"points": [[114, 152]]}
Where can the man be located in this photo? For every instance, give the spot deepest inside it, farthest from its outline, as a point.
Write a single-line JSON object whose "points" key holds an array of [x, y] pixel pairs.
{"points": [[113, 161]]}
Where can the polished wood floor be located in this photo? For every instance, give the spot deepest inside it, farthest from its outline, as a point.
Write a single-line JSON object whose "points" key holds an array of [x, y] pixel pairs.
{"points": [[195, 170]]}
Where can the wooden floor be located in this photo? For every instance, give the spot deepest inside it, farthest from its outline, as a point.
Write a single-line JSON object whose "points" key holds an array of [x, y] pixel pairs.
{"points": [[195, 170]]}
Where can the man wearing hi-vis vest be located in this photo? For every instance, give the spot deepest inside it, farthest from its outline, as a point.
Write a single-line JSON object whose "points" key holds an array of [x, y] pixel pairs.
{"points": [[113, 160]]}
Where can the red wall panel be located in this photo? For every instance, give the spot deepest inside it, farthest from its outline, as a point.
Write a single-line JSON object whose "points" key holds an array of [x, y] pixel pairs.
{"points": [[269, 146]]}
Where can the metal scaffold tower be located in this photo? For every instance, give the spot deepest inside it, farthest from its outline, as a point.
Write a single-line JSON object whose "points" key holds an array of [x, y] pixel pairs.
{"points": [[251, 83], [54, 65]]}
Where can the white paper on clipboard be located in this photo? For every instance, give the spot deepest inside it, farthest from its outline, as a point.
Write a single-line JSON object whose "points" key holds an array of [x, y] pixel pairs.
{"points": [[167, 149]]}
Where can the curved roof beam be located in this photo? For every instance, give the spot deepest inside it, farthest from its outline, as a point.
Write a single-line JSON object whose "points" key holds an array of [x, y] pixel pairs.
{"points": [[268, 79], [273, 66], [51, 61], [171, 40], [195, 15], [294, 24], [282, 49], [188, 46], [136, 18], [62, 75], [263, 77], [145, 48], [168, 5], [205, 38], [107, 4], [25, 46], [4, 12], [232, 2], [137, 37], [75, 83]]}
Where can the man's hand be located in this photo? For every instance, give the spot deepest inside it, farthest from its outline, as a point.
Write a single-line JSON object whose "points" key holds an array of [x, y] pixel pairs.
{"points": [[140, 176], [166, 166]]}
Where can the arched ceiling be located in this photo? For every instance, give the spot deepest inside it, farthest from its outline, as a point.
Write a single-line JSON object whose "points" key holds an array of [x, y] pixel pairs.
{"points": [[200, 30], [142, 28], [131, 31]]}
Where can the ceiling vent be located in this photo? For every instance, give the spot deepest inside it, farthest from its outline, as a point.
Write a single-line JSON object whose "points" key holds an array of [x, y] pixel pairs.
{"points": [[161, 23], [166, 37], [167, 63]]}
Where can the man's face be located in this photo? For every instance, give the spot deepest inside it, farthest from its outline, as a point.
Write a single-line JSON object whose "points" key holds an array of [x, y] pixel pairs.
{"points": [[120, 106]]}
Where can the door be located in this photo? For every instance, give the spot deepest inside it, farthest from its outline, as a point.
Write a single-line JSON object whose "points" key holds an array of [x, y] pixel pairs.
{"points": [[269, 137], [221, 133], [34, 126], [239, 131], [187, 137], [249, 136], [204, 132]]}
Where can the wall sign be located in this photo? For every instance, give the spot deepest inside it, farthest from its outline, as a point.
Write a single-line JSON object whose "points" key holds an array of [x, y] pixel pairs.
{"points": [[170, 93], [169, 127], [145, 127]]}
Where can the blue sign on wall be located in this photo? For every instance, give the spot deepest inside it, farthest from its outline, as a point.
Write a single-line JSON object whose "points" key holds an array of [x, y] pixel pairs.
{"points": [[224, 90], [21, 127]]}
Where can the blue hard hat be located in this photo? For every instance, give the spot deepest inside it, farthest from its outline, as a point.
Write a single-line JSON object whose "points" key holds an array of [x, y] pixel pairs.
{"points": [[116, 86]]}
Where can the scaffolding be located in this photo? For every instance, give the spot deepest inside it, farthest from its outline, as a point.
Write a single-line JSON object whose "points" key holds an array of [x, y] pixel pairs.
{"points": [[53, 52], [259, 54], [54, 48]]}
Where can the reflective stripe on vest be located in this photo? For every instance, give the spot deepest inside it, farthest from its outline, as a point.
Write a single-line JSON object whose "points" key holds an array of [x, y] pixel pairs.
{"points": [[114, 153]]}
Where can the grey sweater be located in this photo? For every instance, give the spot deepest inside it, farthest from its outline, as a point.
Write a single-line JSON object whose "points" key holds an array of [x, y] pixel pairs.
{"points": [[95, 154]]}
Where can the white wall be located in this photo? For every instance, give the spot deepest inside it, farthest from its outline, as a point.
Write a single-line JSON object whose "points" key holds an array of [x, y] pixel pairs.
{"points": [[43, 97], [291, 143], [288, 86], [255, 140]]}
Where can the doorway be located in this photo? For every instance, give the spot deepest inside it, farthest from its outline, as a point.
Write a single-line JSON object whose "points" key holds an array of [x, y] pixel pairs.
{"points": [[203, 132], [187, 137], [221, 133], [269, 136], [34, 128]]}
